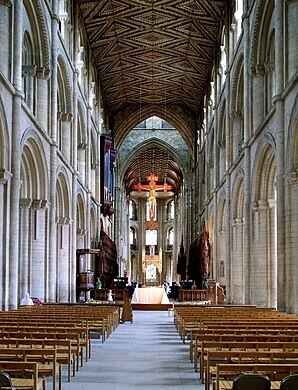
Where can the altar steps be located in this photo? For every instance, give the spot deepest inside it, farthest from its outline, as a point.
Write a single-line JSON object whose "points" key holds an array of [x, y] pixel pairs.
{"points": [[151, 306]]}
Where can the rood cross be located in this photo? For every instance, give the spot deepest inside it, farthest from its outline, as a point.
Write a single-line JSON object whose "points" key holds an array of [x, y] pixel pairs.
{"points": [[152, 187]]}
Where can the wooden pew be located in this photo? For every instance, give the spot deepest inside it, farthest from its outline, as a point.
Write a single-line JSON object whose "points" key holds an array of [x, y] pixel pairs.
{"points": [[19, 372], [67, 345], [243, 357], [252, 346], [46, 359], [237, 335], [275, 372]]}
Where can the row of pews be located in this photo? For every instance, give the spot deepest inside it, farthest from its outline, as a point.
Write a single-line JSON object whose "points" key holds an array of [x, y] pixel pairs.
{"points": [[35, 341], [225, 341]]}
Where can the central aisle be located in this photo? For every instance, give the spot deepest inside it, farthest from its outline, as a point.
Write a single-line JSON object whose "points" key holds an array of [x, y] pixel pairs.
{"points": [[147, 354]]}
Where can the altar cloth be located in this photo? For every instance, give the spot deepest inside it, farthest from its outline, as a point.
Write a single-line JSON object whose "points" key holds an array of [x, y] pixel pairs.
{"points": [[152, 295]]}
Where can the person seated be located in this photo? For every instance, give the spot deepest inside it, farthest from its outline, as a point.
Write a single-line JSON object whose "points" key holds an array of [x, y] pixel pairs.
{"points": [[27, 301]]}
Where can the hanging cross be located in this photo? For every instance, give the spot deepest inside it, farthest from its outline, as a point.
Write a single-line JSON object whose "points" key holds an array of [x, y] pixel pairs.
{"points": [[152, 187]]}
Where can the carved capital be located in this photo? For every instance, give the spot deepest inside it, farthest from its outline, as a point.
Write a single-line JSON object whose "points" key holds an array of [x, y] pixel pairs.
{"points": [[4, 176], [262, 204], [36, 204], [43, 73], [271, 203], [81, 232], [8, 3], [254, 206], [25, 203], [82, 145], [63, 220], [29, 70], [238, 222], [292, 177], [66, 116], [269, 67], [258, 70]]}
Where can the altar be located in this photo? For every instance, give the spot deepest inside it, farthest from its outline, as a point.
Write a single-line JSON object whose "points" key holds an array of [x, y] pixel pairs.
{"points": [[150, 295]]}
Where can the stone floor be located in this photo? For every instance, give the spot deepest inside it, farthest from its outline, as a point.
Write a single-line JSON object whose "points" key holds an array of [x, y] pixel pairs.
{"points": [[147, 354]]}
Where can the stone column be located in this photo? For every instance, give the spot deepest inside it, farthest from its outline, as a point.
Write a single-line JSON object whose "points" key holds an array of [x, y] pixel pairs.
{"points": [[52, 275], [15, 156], [291, 24], [258, 97], [280, 154], [238, 270], [272, 237], [25, 204], [29, 72], [215, 184], [247, 155], [291, 280], [6, 36], [5, 176], [42, 106], [65, 136], [73, 261]]}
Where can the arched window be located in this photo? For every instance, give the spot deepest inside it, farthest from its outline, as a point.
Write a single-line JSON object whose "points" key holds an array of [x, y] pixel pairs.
{"points": [[170, 210], [132, 210], [270, 71], [170, 238], [132, 238], [238, 17], [28, 70], [223, 60]]}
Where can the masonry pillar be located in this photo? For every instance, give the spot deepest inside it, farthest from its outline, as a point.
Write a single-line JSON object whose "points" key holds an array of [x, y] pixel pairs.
{"points": [[73, 259], [292, 38], [5, 177], [15, 157], [280, 155], [25, 204], [258, 98], [5, 37], [247, 156], [52, 274], [42, 106]]}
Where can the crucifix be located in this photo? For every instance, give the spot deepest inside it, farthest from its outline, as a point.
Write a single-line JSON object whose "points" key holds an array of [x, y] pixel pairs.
{"points": [[152, 187]]}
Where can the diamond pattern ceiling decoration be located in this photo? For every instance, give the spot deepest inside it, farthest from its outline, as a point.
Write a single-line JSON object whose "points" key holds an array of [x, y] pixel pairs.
{"points": [[153, 51]]}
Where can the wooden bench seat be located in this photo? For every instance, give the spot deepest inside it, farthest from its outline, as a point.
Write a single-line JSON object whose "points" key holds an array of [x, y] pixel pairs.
{"points": [[208, 347], [240, 357], [45, 357], [275, 372], [20, 372]]}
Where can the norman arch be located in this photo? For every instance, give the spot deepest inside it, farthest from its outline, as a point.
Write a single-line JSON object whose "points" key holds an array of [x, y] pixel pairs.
{"points": [[64, 107], [63, 235], [81, 222], [186, 129], [264, 233], [33, 226], [237, 236], [221, 266]]}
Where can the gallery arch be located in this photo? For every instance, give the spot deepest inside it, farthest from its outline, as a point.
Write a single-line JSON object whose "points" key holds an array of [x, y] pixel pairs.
{"points": [[264, 260]]}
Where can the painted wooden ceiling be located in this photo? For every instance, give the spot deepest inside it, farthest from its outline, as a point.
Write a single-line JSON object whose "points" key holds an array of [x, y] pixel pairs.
{"points": [[157, 161], [153, 52]]}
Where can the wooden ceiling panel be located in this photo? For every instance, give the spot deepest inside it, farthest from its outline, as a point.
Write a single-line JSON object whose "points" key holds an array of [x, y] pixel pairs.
{"points": [[153, 160], [163, 48]]}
